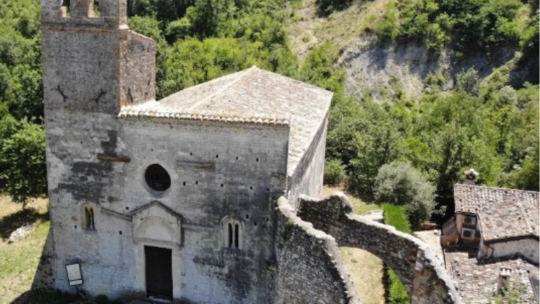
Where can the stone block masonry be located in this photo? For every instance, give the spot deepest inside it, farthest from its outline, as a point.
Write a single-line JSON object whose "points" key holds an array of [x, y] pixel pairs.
{"points": [[309, 264], [413, 260]]}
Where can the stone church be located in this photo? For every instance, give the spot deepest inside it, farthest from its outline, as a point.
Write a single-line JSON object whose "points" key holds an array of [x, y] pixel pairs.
{"points": [[175, 198]]}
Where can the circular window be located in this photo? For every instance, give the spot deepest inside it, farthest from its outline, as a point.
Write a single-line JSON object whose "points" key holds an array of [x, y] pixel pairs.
{"points": [[157, 177]]}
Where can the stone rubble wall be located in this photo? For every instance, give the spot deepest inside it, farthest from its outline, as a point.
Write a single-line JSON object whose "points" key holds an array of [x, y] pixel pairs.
{"points": [[413, 260], [309, 269]]}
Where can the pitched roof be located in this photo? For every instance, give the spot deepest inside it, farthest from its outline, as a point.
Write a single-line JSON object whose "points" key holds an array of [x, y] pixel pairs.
{"points": [[250, 96], [509, 219], [473, 199], [477, 280]]}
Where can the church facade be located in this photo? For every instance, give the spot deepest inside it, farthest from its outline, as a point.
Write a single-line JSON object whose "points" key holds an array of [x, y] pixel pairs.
{"points": [[176, 198]]}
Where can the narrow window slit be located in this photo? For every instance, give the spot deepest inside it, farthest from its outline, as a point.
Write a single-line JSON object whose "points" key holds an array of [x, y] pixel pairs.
{"points": [[96, 9], [66, 8], [236, 235]]}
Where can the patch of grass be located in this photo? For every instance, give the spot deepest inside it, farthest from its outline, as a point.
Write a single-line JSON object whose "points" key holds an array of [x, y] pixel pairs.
{"points": [[396, 216], [11, 222], [19, 260], [366, 272], [397, 294]]}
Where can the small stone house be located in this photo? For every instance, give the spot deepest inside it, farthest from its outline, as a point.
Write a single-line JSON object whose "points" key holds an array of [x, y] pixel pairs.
{"points": [[494, 218], [492, 243], [176, 198]]}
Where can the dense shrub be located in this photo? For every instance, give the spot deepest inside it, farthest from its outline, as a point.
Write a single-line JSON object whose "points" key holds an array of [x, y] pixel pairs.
{"points": [[334, 172], [468, 82], [399, 183]]}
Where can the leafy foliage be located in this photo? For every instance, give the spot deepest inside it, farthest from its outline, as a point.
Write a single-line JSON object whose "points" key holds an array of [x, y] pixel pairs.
{"points": [[438, 23], [23, 160], [401, 184], [334, 172]]}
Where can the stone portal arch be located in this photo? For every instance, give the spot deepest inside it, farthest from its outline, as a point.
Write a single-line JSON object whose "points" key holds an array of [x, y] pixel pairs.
{"points": [[413, 260]]}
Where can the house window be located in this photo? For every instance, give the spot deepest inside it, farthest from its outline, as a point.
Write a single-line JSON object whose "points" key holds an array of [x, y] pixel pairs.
{"points": [[233, 234], [88, 216], [157, 178]]}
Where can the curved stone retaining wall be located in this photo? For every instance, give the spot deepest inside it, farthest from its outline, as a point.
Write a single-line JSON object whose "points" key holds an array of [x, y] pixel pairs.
{"points": [[309, 265], [413, 260]]}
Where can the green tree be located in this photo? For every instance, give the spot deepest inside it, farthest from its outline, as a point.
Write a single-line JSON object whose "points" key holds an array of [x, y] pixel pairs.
{"points": [[334, 172], [401, 184], [23, 160], [469, 82]]}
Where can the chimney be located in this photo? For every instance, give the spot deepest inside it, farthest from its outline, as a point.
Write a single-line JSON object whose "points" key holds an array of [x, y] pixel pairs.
{"points": [[503, 282], [471, 175]]}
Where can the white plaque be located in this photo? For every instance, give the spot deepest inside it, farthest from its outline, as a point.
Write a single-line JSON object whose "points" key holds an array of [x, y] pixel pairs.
{"points": [[74, 274]]}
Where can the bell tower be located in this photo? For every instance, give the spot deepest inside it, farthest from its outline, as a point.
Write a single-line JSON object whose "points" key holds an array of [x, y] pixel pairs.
{"points": [[92, 66], [92, 62]]}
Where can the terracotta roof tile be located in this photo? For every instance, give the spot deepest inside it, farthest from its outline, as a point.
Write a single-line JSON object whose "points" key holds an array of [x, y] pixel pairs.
{"points": [[507, 219], [477, 280], [473, 199]]}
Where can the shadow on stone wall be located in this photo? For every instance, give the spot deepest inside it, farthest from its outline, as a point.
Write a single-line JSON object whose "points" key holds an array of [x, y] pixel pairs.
{"points": [[413, 260]]}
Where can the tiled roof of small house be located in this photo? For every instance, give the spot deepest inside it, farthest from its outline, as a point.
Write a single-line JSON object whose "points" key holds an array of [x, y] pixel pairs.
{"points": [[477, 280], [473, 199], [250, 96], [510, 219]]}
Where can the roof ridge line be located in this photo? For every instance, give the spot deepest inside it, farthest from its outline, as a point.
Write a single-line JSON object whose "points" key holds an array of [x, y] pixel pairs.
{"points": [[222, 89], [499, 188]]}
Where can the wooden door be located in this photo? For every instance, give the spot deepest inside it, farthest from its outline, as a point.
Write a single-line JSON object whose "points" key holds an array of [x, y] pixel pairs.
{"points": [[158, 272]]}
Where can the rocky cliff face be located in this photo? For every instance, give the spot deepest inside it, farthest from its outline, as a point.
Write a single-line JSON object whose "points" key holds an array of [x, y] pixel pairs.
{"points": [[384, 69]]}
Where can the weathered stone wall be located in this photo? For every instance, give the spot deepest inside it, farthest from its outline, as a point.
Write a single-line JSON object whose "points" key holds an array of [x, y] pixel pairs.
{"points": [[308, 176], [231, 173], [413, 261], [528, 248], [82, 89], [309, 264], [219, 171], [138, 64]]}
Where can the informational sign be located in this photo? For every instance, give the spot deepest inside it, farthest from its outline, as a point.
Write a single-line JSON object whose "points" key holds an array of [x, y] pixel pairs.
{"points": [[74, 274]]}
